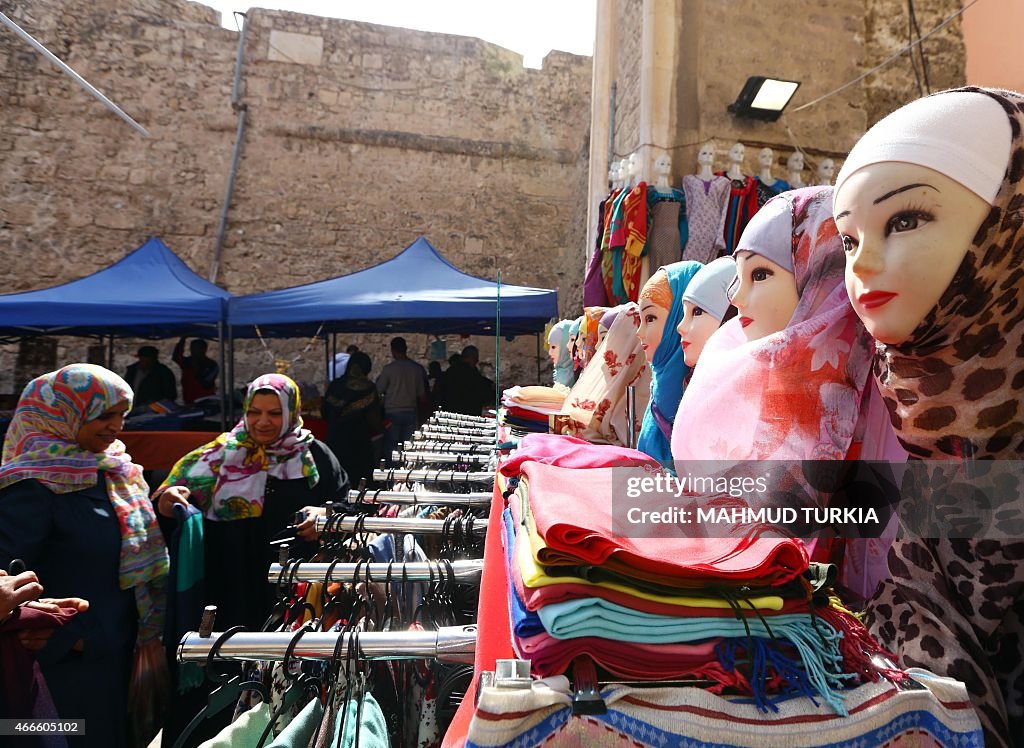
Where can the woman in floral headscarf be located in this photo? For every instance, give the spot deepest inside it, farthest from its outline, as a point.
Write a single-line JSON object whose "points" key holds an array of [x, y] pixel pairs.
{"points": [[76, 510], [248, 483]]}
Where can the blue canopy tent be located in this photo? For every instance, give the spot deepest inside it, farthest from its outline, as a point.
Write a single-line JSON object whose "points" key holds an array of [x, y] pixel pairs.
{"points": [[151, 293], [416, 291]]}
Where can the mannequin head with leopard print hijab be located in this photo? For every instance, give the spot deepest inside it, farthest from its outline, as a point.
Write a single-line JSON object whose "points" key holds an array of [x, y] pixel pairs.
{"points": [[930, 204]]}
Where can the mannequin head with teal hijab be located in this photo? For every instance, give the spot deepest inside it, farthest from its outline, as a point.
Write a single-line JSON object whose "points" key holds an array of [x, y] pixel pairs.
{"points": [[558, 342], [661, 310]]}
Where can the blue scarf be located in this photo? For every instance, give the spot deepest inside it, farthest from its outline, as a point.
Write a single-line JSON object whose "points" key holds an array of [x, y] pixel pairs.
{"points": [[668, 372]]}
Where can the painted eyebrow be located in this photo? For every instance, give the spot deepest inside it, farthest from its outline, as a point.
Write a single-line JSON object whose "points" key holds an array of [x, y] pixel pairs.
{"points": [[897, 191], [887, 195]]}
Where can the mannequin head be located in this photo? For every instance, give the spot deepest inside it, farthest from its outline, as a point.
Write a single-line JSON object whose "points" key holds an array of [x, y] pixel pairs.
{"points": [[765, 292], [765, 158], [663, 165], [623, 170], [553, 352], [795, 162], [633, 166], [826, 170], [737, 152], [655, 304], [706, 154], [705, 306]]}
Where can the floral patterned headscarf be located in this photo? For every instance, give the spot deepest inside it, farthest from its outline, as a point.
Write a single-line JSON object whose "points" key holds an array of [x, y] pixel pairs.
{"points": [[228, 476], [42, 445], [794, 394]]}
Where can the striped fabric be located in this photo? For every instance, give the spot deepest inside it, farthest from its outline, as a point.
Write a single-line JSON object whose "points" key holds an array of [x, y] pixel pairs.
{"points": [[41, 444]]}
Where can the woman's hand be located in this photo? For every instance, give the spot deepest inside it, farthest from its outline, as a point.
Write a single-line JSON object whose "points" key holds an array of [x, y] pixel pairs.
{"points": [[170, 496], [36, 639], [17, 590], [307, 528]]}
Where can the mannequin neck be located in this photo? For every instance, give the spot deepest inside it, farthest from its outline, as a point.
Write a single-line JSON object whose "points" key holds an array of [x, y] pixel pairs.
{"points": [[705, 173], [734, 172], [766, 175], [662, 183], [796, 180]]}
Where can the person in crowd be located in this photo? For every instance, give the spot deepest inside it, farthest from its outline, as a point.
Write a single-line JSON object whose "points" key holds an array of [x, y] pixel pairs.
{"points": [[76, 510], [198, 371], [149, 379], [249, 483], [434, 377], [466, 389], [355, 419], [402, 385]]}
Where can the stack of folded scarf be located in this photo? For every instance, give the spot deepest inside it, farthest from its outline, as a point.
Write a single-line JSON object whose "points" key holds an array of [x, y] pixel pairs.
{"points": [[748, 615], [526, 409]]}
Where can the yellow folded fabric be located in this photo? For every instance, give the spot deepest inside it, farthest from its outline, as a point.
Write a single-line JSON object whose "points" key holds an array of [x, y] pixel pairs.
{"points": [[534, 575]]}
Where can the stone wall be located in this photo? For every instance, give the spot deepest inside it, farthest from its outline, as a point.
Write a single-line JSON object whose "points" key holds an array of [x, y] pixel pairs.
{"points": [[359, 138], [888, 30]]}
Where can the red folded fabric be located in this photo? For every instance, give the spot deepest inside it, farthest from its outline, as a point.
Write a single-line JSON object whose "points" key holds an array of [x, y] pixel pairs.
{"points": [[570, 452], [530, 415], [573, 513], [23, 692], [550, 656]]}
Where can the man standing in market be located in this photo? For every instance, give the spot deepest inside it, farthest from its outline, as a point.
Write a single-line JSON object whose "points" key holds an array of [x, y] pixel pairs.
{"points": [[402, 384], [466, 390], [198, 372], [151, 380]]}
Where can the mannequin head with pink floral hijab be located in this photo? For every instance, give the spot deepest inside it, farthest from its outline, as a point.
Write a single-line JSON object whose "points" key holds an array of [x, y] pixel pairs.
{"points": [[793, 393]]}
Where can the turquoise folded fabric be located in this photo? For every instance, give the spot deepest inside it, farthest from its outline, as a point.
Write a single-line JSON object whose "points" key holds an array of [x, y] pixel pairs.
{"points": [[816, 641]]}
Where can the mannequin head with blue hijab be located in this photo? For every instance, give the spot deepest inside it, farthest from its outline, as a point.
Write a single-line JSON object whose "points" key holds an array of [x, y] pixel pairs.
{"points": [[661, 310], [558, 348]]}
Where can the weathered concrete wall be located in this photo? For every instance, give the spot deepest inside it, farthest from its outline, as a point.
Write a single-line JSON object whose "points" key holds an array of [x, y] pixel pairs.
{"points": [[359, 138]]}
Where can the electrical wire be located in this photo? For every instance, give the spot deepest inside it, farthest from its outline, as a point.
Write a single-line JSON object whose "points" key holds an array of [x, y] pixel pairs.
{"points": [[885, 62]]}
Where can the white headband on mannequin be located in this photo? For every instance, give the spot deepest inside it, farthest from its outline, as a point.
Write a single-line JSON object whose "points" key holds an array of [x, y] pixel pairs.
{"points": [[961, 134]]}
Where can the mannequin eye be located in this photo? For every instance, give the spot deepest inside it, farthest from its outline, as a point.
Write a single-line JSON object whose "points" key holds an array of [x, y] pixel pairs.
{"points": [[760, 274], [697, 311], [848, 244], [907, 220]]}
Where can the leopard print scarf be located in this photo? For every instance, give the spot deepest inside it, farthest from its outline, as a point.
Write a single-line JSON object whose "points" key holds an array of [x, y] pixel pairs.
{"points": [[955, 391]]}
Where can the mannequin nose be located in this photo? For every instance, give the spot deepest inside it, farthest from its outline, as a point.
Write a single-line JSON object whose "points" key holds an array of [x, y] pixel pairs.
{"points": [[739, 297], [867, 259]]}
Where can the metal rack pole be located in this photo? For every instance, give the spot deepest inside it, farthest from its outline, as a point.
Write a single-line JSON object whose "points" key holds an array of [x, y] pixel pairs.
{"points": [[400, 475], [448, 436], [455, 431], [432, 445], [400, 524], [444, 458], [421, 497], [467, 570], [448, 415], [447, 644]]}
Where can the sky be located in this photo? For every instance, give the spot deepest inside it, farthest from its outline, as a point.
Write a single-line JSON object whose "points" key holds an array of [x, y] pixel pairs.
{"points": [[531, 27]]}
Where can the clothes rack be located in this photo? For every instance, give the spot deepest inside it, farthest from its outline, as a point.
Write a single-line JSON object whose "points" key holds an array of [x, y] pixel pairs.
{"points": [[468, 570], [401, 525], [420, 458], [433, 445], [421, 497], [456, 644], [472, 438], [399, 475], [448, 415]]}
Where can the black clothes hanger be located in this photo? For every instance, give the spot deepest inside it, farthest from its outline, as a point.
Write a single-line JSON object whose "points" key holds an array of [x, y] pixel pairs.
{"points": [[300, 684], [232, 686]]}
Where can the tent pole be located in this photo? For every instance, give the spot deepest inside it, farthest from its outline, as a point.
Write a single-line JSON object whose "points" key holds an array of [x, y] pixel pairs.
{"points": [[327, 361], [110, 353], [231, 375], [223, 377], [334, 351]]}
